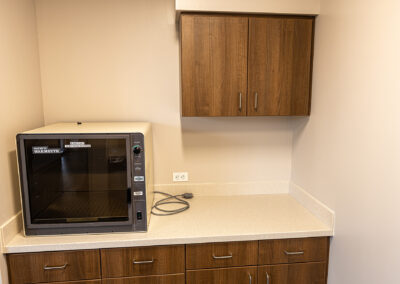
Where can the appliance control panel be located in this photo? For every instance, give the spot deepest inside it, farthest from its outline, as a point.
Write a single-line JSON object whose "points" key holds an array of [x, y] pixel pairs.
{"points": [[138, 182]]}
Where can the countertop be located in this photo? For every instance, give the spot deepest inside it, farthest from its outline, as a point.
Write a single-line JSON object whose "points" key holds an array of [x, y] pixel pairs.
{"points": [[209, 219]]}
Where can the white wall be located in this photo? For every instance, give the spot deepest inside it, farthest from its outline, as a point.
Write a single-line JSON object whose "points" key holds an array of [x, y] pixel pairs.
{"points": [[347, 154], [311, 7], [20, 97], [112, 60]]}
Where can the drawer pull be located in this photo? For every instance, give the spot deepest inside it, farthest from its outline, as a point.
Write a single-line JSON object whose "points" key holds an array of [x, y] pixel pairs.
{"points": [[268, 277], [223, 257], [55, 267], [294, 253], [250, 279], [143, 261]]}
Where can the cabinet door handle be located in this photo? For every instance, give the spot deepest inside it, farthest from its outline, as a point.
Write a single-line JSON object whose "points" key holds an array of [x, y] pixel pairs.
{"points": [[294, 252], [268, 277], [223, 257], [250, 278], [55, 267], [255, 101], [143, 261], [240, 101]]}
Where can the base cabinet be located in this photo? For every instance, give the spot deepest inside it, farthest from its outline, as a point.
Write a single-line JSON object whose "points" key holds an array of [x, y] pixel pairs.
{"points": [[238, 275], [289, 261], [300, 273]]}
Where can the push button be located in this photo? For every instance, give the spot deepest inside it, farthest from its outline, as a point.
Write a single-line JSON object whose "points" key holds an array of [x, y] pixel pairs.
{"points": [[139, 215]]}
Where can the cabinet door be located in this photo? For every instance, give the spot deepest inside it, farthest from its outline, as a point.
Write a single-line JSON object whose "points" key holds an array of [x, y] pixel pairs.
{"points": [[280, 64], [241, 275], [302, 273], [214, 65]]}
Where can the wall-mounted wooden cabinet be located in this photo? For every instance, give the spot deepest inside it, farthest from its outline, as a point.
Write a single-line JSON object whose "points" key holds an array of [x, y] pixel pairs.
{"points": [[238, 65]]}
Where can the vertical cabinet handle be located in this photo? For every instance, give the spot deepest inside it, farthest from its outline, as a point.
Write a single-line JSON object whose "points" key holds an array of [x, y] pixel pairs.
{"points": [[250, 279], [240, 101], [255, 101], [268, 277]]}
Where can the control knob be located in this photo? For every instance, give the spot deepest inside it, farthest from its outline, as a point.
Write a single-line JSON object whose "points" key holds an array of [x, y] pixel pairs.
{"points": [[137, 149]]}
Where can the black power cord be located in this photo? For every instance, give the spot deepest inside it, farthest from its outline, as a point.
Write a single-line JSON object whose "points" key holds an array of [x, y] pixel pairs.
{"points": [[171, 199]]}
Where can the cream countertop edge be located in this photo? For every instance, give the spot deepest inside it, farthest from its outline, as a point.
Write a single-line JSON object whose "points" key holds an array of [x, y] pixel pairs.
{"points": [[275, 216]]}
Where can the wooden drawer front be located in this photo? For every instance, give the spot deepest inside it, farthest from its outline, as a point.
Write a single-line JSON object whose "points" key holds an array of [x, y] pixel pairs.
{"points": [[239, 275], [221, 254], [143, 261], [98, 281], [299, 273], [158, 279], [293, 250], [54, 266]]}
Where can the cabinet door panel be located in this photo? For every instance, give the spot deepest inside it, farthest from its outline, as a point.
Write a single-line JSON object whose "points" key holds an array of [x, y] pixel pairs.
{"points": [[280, 63], [301, 273], [242, 275], [214, 65]]}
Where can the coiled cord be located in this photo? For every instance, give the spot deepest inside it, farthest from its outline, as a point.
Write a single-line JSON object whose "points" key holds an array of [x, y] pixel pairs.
{"points": [[171, 199]]}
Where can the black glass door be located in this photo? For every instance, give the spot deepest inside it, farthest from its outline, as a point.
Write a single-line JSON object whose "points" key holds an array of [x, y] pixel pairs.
{"points": [[77, 180]]}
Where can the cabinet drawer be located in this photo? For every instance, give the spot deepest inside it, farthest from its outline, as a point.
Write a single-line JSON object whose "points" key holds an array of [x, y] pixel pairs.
{"points": [[299, 273], [54, 266], [142, 261], [293, 250], [158, 279], [215, 255], [239, 275]]}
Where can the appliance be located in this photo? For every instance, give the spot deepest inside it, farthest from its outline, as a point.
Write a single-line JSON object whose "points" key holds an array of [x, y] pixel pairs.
{"points": [[86, 178]]}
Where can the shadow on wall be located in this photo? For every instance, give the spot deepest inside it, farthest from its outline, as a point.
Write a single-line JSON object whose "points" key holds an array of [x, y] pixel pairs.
{"points": [[298, 125], [14, 177]]}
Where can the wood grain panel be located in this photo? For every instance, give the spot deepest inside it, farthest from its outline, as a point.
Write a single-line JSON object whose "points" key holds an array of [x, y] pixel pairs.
{"points": [[208, 255], [120, 262], [283, 251], [280, 65], [301, 273], [237, 275], [97, 281], [157, 279], [74, 265], [213, 64]]}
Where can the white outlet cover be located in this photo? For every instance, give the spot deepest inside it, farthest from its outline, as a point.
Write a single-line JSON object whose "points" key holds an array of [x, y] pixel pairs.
{"points": [[180, 176]]}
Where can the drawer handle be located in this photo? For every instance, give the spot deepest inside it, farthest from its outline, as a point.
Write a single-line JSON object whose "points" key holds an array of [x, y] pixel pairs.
{"points": [[250, 279], [143, 261], [240, 101], [223, 256], [55, 267], [294, 252], [268, 277]]}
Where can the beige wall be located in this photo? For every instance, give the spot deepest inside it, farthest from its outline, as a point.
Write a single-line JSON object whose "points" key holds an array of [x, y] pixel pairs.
{"points": [[348, 153], [113, 60], [254, 6], [20, 96]]}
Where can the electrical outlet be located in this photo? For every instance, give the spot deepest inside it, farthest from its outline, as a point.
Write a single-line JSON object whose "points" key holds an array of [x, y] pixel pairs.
{"points": [[181, 176]]}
